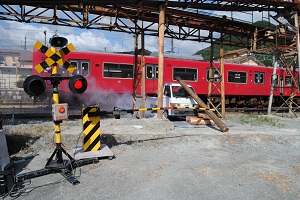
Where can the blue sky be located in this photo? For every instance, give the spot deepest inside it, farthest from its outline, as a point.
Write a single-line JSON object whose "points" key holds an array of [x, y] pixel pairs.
{"points": [[13, 34]]}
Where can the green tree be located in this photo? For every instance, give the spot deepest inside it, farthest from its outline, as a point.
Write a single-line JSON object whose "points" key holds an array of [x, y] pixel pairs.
{"points": [[266, 59]]}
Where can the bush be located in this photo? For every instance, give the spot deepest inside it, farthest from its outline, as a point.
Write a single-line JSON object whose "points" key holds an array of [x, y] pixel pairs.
{"points": [[19, 83]]}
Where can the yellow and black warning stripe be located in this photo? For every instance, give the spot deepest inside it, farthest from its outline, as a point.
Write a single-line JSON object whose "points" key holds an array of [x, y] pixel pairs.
{"points": [[170, 108], [54, 57], [91, 128]]}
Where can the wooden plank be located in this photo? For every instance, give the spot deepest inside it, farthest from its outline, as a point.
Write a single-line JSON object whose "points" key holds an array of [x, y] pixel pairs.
{"points": [[194, 120], [204, 116]]}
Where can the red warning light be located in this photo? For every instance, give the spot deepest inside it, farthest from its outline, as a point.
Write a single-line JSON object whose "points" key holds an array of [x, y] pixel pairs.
{"points": [[77, 84]]}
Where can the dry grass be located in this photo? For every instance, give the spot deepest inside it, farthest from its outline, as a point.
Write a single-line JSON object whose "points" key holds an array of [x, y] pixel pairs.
{"points": [[259, 120], [281, 181], [205, 170], [273, 176], [297, 169]]}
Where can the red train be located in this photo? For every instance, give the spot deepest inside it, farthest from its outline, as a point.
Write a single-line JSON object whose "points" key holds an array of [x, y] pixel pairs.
{"points": [[108, 73]]}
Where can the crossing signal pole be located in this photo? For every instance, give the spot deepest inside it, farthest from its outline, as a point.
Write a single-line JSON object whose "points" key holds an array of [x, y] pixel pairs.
{"points": [[35, 85]]}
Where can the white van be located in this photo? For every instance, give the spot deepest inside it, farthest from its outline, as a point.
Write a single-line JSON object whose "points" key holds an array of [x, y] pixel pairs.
{"points": [[175, 95]]}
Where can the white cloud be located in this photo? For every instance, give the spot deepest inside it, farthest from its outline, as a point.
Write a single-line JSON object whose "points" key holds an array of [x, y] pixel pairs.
{"points": [[12, 36]]}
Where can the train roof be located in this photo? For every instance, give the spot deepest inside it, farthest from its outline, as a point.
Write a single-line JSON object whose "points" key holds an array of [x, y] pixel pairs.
{"points": [[154, 54], [178, 56]]}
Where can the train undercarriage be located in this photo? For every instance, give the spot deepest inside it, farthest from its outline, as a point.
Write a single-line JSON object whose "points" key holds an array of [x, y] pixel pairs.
{"points": [[251, 101]]}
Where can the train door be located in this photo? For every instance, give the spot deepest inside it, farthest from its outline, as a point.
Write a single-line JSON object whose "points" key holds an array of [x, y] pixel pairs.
{"points": [[259, 83], [151, 78], [288, 81], [82, 67], [277, 85]]}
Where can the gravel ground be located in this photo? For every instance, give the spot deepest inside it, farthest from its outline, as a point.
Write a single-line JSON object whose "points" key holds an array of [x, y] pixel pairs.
{"points": [[160, 159]]}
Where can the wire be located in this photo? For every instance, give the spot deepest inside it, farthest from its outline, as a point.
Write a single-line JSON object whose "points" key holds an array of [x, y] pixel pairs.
{"points": [[30, 189], [79, 137]]}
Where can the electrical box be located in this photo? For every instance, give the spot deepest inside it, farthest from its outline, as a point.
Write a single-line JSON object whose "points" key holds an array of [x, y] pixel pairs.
{"points": [[60, 111], [4, 157]]}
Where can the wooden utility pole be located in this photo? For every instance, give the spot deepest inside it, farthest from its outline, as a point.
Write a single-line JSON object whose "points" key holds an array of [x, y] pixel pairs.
{"points": [[211, 63], [143, 92], [273, 83], [254, 40], [222, 78], [298, 40], [161, 37], [136, 71]]}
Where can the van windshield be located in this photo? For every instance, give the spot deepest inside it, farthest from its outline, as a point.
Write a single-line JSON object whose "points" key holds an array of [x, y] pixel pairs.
{"points": [[179, 91]]}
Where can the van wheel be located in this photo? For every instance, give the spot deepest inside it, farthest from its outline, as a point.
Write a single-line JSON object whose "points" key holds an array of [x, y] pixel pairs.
{"points": [[166, 115]]}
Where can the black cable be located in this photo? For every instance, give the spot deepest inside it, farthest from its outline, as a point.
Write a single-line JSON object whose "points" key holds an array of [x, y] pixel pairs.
{"points": [[24, 191]]}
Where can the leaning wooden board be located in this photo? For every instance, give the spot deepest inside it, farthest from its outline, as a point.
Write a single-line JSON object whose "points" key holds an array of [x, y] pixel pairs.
{"points": [[212, 115]]}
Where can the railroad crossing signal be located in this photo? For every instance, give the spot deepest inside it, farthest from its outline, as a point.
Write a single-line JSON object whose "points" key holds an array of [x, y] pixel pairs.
{"points": [[54, 57], [77, 84], [35, 85]]}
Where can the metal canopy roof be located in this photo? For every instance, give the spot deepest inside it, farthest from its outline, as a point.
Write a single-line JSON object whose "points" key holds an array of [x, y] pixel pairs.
{"points": [[184, 19]]}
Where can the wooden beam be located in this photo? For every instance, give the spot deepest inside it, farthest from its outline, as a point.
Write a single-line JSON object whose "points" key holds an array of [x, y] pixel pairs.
{"points": [[223, 78], [161, 34], [219, 123]]}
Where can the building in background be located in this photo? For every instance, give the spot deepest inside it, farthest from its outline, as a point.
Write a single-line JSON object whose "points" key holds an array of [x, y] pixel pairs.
{"points": [[242, 56], [15, 66]]}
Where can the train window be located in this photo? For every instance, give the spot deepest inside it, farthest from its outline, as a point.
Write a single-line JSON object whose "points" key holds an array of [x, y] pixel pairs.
{"points": [[215, 75], [288, 80], [237, 77], [152, 71], [82, 67], [118, 70], [62, 71], [167, 91], [85, 69], [259, 77], [75, 64], [275, 81], [185, 74]]}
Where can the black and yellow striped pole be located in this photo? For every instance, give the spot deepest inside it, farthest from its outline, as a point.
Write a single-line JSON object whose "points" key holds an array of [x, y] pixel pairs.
{"points": [[158, 108], [57, 129], [91, 128]]}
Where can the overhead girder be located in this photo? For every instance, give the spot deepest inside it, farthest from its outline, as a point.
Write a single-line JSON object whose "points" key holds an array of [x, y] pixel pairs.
{"points": [[184, 19], [92, 20], [230, 5]]}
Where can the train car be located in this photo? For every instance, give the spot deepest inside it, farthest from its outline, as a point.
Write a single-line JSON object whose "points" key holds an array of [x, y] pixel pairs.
{"points": [[111, 74]]}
